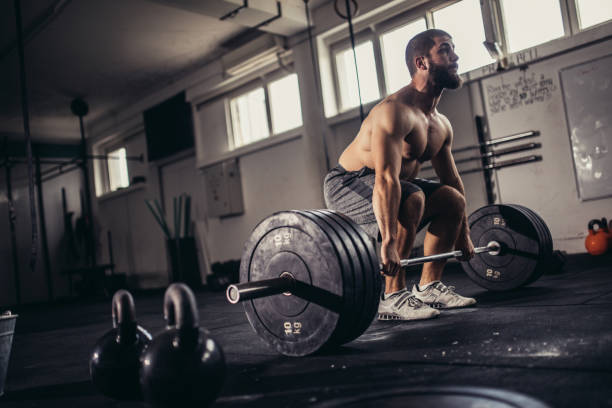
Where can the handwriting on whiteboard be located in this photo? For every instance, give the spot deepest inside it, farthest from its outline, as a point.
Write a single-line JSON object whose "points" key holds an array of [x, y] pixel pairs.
{"points": [[527, 90]]}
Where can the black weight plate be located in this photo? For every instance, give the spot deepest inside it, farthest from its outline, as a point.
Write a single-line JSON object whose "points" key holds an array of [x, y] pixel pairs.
{"points": [[541, 237], [520, 242], [374, 276], [362, 276], [548, 238], [548, 245], [290, 242], [356, 266], [371, 275], [435, 396], [549, 252], [374, 269], [347, 317]]}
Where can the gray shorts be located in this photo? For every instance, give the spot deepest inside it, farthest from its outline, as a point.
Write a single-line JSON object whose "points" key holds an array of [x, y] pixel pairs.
{"points": [[350, 192]]}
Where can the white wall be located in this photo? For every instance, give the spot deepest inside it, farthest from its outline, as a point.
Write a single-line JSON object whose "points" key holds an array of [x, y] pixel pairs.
{"points": [[273, 179], [548, 187]]}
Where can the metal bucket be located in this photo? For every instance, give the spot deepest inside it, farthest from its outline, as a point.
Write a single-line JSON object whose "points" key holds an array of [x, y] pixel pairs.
{"points": [[7, 328]]}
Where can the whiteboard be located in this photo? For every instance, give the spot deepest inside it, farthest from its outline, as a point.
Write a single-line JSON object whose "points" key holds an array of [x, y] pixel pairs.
{"points": [[587, 92]]}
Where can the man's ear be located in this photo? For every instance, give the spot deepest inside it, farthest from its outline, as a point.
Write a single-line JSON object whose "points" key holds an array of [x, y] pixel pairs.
{"points": [[421, 62]]}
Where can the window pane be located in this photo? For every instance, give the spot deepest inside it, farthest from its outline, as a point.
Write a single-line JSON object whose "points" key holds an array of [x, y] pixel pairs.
{"points": [[285, 104], [526, 30], [347, 77], [117, 169], [393, 53], [591, 12], [463, 21], [249, 117]]}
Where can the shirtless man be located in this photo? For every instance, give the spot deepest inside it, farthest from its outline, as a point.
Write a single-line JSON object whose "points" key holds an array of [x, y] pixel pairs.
{"points": [[375, 182]]}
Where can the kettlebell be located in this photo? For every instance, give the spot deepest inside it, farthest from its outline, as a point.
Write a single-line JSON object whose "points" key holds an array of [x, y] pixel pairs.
{"points": [[183, 366], [114, 363], [596, 243], [606, 228], [609, 234]]}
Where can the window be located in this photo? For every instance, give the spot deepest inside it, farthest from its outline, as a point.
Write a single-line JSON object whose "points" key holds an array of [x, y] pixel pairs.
{"points": [[347, 75], [463, 21], [273, 105], [527, 29], [592, 12], [249, 117], [285, 106], [117, 169], [393, 53]]}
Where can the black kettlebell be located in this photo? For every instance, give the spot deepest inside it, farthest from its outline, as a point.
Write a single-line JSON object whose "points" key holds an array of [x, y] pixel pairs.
{"points": [[183, 366], [115, 360]]}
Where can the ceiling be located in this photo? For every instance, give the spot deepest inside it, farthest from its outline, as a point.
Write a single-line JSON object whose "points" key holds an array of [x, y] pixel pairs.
{"points": [[111, 53]]}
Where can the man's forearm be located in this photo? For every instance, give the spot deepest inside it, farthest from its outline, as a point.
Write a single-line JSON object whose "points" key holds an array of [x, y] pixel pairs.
{"points": [[385, 202]]}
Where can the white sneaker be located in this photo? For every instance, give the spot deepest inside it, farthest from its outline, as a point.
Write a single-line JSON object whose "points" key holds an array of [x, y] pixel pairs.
{"points": [[440, 296], [403, 305]]}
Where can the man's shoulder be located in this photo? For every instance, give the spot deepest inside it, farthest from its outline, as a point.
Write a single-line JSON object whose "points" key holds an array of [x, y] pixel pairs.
{"points": [[391, 106], [445, 121]]}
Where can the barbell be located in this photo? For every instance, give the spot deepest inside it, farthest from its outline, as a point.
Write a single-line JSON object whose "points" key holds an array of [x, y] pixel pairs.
{"points": [[286, 283], [310, 279]]}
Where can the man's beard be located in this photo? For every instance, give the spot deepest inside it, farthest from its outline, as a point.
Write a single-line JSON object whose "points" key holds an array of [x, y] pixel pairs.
{"points": [[442, 78]]}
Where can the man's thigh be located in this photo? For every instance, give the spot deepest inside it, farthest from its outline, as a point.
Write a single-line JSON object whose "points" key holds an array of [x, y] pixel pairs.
{"points": [[429, 188], [351, 194]]}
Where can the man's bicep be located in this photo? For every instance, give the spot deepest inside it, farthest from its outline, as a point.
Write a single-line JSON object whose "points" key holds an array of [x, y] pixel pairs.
{"points": [[387, 136], [386, 152]]}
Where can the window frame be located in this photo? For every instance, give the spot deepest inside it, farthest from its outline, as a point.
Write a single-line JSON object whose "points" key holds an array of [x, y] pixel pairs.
{"points": [[372, 28], [243, 90], [373, 32], [397, 22], [503, 26], [260, 82], [574, 17], [272, 77], [345, 44], [101, 168], [108, 150]]}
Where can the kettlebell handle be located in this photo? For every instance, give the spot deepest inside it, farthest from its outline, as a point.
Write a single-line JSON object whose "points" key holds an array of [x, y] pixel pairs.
{"points": [[180, 307], [123, 308], [592, 224]]}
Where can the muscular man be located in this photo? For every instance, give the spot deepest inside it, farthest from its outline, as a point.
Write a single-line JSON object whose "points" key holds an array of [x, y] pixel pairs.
{"points": [[375, 182]]}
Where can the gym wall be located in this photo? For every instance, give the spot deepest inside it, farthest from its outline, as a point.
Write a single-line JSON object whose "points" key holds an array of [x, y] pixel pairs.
{"points": [[33, 284], [138, 244], [289, 174], [548, 187]]}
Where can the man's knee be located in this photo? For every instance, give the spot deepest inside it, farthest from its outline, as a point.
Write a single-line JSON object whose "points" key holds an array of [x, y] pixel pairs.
{"points": [[412, 209]]}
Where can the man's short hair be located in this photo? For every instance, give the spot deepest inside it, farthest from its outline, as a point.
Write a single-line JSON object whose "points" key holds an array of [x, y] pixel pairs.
{"points": [[421, 44]]}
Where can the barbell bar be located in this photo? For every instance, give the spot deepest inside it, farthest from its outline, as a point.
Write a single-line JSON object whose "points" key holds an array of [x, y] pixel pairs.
{"points": [[492, 248], [286, 283]]}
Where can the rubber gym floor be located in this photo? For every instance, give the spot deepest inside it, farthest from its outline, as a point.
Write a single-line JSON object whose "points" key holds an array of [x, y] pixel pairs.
{"points": [[551, 341]]}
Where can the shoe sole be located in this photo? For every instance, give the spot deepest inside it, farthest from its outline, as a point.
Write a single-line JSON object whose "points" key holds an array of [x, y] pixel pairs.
{"points": [[389, 316], [437, 305]]}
